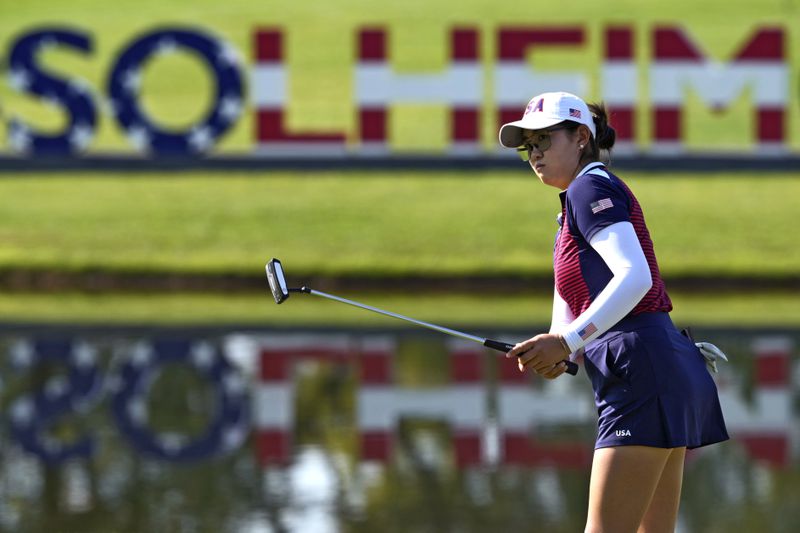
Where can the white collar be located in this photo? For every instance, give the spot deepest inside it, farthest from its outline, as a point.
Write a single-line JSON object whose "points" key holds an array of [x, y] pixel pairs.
{"points": [[587, 168]]}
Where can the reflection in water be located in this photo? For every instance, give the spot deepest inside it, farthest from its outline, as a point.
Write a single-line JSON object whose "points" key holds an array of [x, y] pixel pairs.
{"points": [[351, 432]]}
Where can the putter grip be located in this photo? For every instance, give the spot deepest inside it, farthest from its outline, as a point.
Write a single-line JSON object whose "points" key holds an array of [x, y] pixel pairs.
{"points": [[572, 368]]}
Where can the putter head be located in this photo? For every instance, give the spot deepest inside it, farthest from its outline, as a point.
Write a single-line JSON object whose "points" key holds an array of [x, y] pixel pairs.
{"points": [[277, 282]]}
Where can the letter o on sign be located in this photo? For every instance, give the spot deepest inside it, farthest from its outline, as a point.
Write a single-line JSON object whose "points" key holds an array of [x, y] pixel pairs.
{"points": [[228, 423], [124, 84]]}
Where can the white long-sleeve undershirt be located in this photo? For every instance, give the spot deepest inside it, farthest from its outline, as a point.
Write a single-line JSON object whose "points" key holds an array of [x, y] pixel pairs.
{"points": [[620, 249]]}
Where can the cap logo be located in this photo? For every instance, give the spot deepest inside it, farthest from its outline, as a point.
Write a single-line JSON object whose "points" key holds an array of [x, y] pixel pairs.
{"points": [[576, 113], [535, 106]]}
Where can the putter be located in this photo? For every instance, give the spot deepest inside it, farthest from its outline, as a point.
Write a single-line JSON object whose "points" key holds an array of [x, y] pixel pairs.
{"points": [[281, 292]]}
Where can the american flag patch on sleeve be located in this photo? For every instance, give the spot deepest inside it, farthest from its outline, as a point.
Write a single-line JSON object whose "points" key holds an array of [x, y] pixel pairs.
{"points": [[601, 205], [586, 332]]}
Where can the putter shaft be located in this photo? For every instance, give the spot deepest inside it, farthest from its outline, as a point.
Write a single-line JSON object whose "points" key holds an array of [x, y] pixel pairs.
{"points": [[428, 325], [572, 367]]}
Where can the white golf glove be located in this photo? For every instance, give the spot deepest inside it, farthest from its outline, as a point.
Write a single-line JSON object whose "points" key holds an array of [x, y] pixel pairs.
{"points": [[711, 354]]}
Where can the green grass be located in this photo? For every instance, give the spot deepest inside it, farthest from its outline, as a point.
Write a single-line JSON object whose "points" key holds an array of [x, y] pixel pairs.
{"points": [[495, 312], [336, 223]]}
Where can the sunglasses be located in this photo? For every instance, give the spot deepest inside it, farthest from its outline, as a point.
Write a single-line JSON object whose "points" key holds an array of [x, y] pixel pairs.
{"points": [[540, 141]]}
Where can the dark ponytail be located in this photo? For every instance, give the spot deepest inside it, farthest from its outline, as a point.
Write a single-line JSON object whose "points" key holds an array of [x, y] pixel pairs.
{"points": [[605, 133]]}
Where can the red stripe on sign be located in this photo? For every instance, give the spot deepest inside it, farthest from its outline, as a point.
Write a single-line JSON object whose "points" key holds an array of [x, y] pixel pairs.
{"points": [[770, 124], [269, 125], [270, 128], [619, 43], [673, 44], [773, 449], [376, 446], [464, 125], [268, 45], [272, 446], [464, 43], [515, 43], [667, 123], [372, 44], [468, 449], [372, 124], [622, 119], [510, 374], [767, 45], [772, 369], [274, 366], [509, 114], [466, 368], [375, 369], [519, 448]]}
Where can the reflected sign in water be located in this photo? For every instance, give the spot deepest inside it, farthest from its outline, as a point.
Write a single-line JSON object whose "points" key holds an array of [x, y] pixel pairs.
{"points": [[393, 431]]}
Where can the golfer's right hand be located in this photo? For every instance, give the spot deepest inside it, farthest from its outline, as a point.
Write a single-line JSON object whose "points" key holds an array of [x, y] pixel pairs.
{"points": [[544, 354]]}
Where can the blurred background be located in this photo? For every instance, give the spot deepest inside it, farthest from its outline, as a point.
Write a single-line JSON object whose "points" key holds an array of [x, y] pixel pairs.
{"points": [[154, 156]]}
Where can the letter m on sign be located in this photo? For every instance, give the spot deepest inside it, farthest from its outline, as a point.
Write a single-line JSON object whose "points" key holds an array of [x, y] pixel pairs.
{"points": [[759, 65]]}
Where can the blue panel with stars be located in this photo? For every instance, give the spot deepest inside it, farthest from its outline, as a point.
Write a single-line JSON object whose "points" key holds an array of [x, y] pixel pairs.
{"points": [[25, 75], [228, 425], [124, 86], [33, 415]]}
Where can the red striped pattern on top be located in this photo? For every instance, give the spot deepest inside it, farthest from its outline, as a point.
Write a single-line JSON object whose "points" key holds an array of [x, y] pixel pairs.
{"points": [[656, 299], [569, 276], [567, 266]]}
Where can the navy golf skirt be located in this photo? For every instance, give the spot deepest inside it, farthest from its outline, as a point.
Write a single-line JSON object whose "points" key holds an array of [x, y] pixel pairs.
{"points": [[651, 387]]}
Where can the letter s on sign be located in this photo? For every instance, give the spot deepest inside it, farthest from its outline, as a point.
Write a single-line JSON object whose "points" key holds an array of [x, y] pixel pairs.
{"points": [[26, 76], [32, 415]]}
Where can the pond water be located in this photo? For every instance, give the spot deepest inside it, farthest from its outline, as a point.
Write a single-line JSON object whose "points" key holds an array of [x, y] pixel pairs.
{"points": [[119, 429]]}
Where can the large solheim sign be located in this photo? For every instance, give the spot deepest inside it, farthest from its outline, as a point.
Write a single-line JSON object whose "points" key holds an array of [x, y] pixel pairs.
{"points": [[677, 68]]}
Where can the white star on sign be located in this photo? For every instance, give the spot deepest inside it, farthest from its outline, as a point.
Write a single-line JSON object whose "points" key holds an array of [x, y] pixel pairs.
{"points": [[80, 136], [21, 354], [233, 383], [50, 100], [233, 438], [19, 137], [137, 411], [142, 355], [139, 137], [200, 138], [47, 42], [22, 411], [78, 87], [83, 356], [167, 45], [202, 355], [131, 80], [228, 55], [230, 107], [19, 79]]}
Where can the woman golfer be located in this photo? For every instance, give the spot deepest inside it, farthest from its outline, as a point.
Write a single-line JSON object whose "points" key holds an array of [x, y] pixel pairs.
{"points": [[654, 395]]}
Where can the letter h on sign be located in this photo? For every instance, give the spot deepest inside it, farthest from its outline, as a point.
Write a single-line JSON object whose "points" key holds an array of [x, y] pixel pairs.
{"points": [[378, 87]]}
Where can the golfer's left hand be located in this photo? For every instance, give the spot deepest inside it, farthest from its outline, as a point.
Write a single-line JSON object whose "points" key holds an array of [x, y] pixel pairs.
{"points": [[544, 354]]}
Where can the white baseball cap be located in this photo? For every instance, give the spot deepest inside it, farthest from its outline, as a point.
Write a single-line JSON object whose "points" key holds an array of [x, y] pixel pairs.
{"points": [[543, 111]]}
